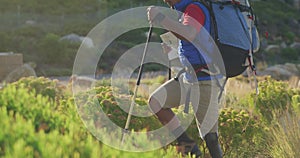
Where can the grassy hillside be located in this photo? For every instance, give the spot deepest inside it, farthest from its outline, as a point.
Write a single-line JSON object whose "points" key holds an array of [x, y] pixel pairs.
{"points": [[41, 118], [278, 18], [34, 28]]}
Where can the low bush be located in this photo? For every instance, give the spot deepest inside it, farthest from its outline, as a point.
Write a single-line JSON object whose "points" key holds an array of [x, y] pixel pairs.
{"points": [[40, 119], [241, 134], [274, 99]]}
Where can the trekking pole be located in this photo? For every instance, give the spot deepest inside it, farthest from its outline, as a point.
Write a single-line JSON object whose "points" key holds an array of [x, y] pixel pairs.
{"points": [[169, 71], [125, 130]]}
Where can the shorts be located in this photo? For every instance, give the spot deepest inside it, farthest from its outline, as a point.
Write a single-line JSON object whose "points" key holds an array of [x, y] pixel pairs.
{"points": [[203, 97]]}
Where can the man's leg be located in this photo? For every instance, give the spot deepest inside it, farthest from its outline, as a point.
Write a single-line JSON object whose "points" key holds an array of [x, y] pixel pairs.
{"points": [[213, 145], [167, 117], [161, 102], [207, 113]]}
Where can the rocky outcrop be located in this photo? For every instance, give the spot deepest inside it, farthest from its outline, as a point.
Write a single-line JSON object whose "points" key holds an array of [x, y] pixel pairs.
{"points": [[74, 38], [25, 70], [282, 72], [295, 45], [9, 61]]}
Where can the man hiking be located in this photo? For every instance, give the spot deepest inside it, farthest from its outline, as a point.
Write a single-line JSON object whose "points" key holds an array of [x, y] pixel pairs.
{"points": [[203, 92]]}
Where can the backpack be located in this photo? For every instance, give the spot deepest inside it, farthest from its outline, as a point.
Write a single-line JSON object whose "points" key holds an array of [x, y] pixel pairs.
{"points": [[234, 32]]}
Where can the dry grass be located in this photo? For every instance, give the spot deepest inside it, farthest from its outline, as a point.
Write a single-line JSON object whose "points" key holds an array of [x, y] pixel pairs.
{"points": [[238, 87], [241, 86], [294, 82], [285, 137]]}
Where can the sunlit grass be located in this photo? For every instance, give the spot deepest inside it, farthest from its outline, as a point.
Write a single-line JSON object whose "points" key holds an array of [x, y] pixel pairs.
{"points": [[279, 137], [284, 137]]}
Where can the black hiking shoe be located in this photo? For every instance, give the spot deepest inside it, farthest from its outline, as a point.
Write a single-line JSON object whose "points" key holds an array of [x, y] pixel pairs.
{"points": [[186, 148]]}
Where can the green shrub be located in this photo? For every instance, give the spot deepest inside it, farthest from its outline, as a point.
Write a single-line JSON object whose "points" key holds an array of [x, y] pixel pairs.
{"points": [[39, 119], [30, 32], [290, 54], [33, 107], [290, 36], [43, 86], [25, 40], [33, 126], [4, 38], [234, 138], [274, 99], [241, 135], [296, 104], [54, 7], [51, 50], [18, 138], [103, 97]]}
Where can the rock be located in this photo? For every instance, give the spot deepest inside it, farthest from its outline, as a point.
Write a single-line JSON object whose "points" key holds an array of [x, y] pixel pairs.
{"points": [[273, 48], [9, 61], [30, 22], [293, 23], [295, 45], [293, 68], [25, 70], [283, 45], [88, 42], [74, 38], [281, 72]]}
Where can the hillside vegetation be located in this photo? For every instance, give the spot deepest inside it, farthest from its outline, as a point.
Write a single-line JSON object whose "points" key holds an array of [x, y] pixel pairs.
{"points": [[41, 118], [34, 28]]}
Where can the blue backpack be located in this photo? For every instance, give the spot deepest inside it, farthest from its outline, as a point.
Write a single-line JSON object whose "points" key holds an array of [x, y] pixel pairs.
{"points": [[235, 33], [233, 28]]}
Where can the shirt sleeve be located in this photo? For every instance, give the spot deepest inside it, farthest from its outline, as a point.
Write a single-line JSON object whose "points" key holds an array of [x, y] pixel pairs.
{"points": [[193, 16]]}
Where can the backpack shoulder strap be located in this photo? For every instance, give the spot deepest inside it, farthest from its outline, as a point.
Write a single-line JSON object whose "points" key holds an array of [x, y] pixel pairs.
{"points": [[206, 10], [211, 16]]}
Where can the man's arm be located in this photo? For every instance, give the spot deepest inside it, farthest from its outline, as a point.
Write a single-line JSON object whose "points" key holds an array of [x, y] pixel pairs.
{"points": [[181, 31]]}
